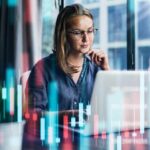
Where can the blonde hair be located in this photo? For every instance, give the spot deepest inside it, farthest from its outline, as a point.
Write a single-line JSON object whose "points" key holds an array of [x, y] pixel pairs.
{"points": [[61, 48]]}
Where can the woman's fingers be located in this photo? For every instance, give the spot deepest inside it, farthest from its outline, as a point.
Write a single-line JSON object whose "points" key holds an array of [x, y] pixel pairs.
{"points": [[99, 58], [96, 56]]}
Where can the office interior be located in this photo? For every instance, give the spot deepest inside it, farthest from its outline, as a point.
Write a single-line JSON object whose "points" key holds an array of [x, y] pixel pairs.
{"points": [[26, 36]]}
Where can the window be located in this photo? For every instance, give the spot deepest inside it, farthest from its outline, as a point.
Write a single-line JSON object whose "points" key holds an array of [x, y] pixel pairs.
{"points": [[69, 2], [144, 58], [90, 1], [144, 20], [117, 27], [142, 41], [95, 13], [120, 55], [49, 15], [117, 33]]}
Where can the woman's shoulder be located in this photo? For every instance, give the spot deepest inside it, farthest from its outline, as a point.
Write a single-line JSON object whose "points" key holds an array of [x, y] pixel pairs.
{"points": [[44, 67], [48, 60], [45, 64]]}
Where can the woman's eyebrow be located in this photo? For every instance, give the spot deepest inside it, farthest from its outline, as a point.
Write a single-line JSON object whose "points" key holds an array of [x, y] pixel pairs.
{"points": [[91, 27], [81, 29]]}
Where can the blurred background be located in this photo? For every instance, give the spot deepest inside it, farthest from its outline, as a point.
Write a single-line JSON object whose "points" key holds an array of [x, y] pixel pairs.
{"points": [[27, 26], [26, 31]]}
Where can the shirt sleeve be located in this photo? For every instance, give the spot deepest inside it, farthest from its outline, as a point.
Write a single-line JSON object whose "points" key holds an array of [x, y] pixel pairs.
{"points": [[36, 88]]}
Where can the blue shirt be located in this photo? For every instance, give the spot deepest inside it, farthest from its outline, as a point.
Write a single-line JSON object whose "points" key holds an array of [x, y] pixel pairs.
{"points": [[69, 92]]}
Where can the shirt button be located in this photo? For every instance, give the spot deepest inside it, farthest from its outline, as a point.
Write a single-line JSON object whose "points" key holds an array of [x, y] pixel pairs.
{"points": [[75, 102]]}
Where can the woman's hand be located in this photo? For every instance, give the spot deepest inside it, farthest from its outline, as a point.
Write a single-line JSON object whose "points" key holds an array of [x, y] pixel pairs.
{"points": [[100, 58]]}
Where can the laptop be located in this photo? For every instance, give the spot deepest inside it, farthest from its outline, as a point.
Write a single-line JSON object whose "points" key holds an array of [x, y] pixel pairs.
{"points": [[11, 135], [120, 102]]}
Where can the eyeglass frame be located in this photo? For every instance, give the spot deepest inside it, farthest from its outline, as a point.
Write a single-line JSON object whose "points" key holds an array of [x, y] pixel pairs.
{"points": [[80, 33]]}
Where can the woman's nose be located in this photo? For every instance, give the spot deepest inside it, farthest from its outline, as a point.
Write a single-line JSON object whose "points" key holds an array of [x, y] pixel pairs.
{"points": [[85, 37]]}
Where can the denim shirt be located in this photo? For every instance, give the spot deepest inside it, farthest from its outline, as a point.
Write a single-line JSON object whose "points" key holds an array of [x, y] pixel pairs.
{"points": [[70, 94]]}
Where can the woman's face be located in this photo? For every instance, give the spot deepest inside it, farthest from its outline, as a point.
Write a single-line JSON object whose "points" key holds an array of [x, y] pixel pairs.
{"points": [[80, 34]]}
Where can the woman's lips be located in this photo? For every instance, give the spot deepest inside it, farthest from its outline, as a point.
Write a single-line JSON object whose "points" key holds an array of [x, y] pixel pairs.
{"points": [[84, 46]]}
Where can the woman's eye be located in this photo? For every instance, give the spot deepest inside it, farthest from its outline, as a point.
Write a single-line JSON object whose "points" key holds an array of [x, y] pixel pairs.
{"points": [[90, 31], [77, 32]]}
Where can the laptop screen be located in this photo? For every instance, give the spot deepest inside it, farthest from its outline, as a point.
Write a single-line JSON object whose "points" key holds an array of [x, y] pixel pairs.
{"points": [[120, 100]]}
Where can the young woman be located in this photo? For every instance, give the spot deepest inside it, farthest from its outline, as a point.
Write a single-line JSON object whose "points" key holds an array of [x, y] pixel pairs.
{"points": [[72, 66]]}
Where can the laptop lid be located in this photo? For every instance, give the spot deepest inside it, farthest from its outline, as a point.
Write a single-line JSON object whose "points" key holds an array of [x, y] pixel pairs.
{"points": [[120, 102]]}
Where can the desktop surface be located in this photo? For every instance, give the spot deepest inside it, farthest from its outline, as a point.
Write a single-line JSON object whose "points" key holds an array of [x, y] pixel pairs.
{"points": [[128, 140]]}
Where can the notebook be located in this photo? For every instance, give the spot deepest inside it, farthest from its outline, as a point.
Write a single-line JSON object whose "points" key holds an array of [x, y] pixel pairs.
{"points": [[120, 102], [11, 135]]}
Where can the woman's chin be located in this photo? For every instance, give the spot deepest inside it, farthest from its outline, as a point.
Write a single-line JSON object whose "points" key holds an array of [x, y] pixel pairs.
{"points": [[84, 51]]}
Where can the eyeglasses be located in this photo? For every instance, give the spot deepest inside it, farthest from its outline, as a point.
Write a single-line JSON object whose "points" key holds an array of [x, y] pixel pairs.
{"points": [[80, 33]]}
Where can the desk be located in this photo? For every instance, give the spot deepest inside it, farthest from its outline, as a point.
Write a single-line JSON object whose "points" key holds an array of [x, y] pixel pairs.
{"points": [[131, 140]]}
